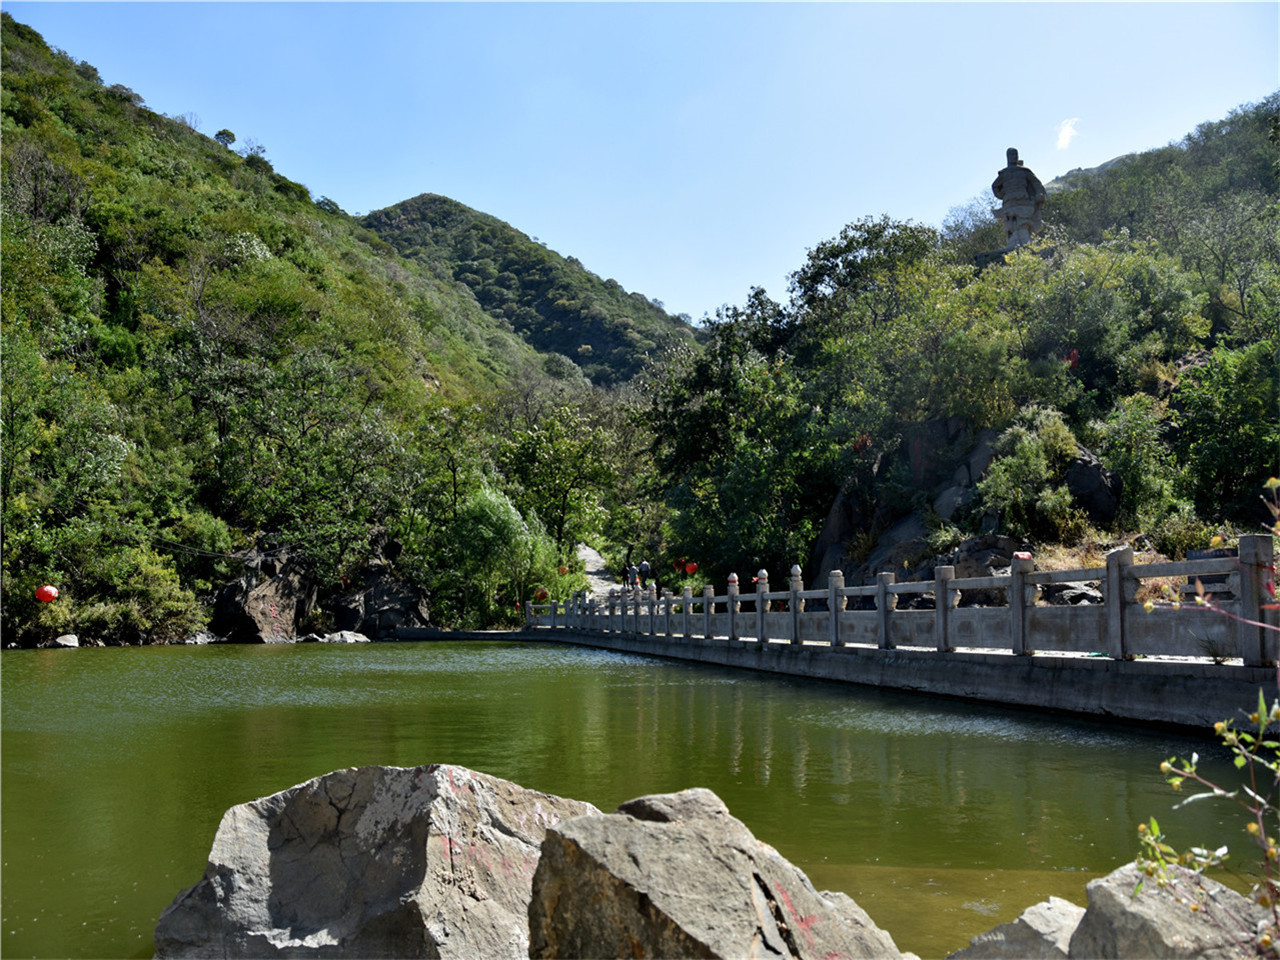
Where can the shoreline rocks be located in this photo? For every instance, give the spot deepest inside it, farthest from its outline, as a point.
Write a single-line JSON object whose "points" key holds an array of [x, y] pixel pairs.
{"points": [[442, 861]]}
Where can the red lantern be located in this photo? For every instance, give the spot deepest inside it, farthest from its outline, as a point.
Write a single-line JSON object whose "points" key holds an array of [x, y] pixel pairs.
{"points": [[562, 570], [47, 593], [540, 594], [691, 567]]}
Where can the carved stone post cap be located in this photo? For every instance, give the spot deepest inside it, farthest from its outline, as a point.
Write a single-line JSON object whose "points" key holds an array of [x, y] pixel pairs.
{"points": [[733, 578], [795, 570], [762, 574]]}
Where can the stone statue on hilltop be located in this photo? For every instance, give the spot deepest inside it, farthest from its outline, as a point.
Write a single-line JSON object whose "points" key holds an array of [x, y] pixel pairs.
{"points": [[1022, 195]]}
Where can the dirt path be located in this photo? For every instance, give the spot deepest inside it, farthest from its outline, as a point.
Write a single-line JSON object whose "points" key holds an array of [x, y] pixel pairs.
{"points": [[598, 576]]}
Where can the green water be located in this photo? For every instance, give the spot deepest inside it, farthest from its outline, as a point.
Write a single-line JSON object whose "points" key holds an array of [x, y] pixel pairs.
{"points": [[940, 819]]}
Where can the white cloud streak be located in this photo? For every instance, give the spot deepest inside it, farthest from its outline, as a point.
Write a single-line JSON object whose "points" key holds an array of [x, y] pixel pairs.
{"points": [[1067, 132]]}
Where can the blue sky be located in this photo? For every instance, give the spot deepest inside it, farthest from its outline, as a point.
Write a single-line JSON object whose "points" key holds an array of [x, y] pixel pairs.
{"points": [[689, 151]]}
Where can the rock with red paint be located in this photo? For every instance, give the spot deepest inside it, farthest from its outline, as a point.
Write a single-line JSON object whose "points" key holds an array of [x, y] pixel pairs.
{"points": [[675, 875], [431, 861]]}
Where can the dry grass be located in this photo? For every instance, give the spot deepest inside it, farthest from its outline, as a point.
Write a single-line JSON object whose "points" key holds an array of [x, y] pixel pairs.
{"points": [[1091, 553]]}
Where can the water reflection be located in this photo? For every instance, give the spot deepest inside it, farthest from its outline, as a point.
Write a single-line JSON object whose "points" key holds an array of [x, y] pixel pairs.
{"points": [[940, 818]]}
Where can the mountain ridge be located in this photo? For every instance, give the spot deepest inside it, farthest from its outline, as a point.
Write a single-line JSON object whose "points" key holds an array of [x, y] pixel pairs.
{"points": [[554, 302]]}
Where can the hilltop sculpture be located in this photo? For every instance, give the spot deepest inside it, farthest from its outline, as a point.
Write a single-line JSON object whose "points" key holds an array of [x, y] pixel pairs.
{"points": [[1022, 195]]}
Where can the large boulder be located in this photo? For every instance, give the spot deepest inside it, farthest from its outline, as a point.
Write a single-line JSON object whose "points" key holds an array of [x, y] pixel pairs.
{"points": [[1042, 932], [382, 605], [676, 875], [1093, 488], [266, 605], [431, 861], [1191, 916]]}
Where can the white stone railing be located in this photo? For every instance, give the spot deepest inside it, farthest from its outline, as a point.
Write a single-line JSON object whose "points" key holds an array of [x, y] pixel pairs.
{"points": [[869, 616]]}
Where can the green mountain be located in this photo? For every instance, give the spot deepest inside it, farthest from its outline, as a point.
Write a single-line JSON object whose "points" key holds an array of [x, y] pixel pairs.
{"points": [[554, 303]]}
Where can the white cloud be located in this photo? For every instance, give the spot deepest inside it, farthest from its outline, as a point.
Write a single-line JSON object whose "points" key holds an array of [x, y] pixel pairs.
{"points": [[1066, 132]]}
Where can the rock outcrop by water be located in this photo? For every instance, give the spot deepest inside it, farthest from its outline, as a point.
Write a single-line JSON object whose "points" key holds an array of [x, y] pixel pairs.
{"points": [[266, 605], [1041, 932], [675, 875], [380, 607], [431, 861], [1160, 922], [1190, 917]]}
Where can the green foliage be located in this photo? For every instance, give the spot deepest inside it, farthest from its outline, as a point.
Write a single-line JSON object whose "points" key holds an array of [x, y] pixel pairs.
{"points": [[1131, 442], [496, 556], [1229, 439], [1024, 482]]}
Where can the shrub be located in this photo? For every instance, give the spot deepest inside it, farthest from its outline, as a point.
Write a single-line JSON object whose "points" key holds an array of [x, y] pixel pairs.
{"points": [[1023, 481]]}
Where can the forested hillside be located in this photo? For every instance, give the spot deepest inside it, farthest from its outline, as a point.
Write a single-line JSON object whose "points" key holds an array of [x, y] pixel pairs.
{"points": [[556, 304], [199, 358], [1142, 324]]}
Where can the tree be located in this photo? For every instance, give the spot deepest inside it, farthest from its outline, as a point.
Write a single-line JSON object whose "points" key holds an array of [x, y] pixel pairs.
{"points": [[861, 266], [225, 137], [558, 470]]}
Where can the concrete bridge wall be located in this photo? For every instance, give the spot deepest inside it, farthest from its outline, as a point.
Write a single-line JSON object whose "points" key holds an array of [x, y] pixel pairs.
{"points": [[1187, 664]]}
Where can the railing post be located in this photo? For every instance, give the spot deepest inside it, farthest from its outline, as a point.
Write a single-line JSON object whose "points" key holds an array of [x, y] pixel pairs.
{"points": [[613, 600], [707, 593], [1018, 602], [555, 607], [885, 602], [942, 601], [1257, 560], [666, 612], [528, 613], [796, 586], [1116, 596], [762, 605], [732, 592], [686, 605], [835, 604]]}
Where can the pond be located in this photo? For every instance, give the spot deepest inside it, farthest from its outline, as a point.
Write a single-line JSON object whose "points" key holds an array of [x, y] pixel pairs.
{"points": [[940, 818]]}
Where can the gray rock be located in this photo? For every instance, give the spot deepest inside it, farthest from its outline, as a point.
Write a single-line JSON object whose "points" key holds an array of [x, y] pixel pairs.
{"points": [[677, 876], [904, 541], [384, 604], [64, 641], [267, 604], [1067, 594], [1042, 932], [951, 500], [982, 455], [431, 861], [1093, 487], [1159, 921], [344, 636]]}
